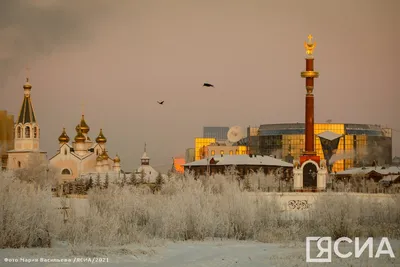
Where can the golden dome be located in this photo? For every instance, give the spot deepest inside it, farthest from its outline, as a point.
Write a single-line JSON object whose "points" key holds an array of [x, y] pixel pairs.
{"points": [[99, 158], [83, 125], [64, 138], [104, 155], [27, 85], [117, 159], [80, 137], [101, 138]]}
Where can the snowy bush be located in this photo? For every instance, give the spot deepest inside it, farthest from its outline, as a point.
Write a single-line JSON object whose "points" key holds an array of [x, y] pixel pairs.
{"points": [[25, 213]]}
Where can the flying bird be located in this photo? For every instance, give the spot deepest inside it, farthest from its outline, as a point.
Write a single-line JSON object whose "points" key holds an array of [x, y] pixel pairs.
{"points": [[208, 85], [162, 102]]}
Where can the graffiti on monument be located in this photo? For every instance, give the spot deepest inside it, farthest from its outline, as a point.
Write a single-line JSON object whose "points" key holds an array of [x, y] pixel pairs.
{"points": [[298, 204]]}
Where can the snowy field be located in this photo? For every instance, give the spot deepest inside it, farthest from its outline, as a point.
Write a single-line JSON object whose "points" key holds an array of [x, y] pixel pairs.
{"points": [[189, 222], [196, 254]]}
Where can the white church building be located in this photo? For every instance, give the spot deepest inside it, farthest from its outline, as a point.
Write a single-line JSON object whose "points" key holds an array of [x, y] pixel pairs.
{"points": [[84, 156]]}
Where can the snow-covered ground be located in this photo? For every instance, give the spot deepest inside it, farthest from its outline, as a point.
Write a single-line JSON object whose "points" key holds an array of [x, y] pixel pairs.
{"points": [[207, 253]]}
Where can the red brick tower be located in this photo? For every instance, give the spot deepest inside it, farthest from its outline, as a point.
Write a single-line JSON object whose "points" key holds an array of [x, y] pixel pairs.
{"points": [[309, 75]]}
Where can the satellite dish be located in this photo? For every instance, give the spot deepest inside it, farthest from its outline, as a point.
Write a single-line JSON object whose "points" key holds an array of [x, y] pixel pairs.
{"points": [[235, 133]]}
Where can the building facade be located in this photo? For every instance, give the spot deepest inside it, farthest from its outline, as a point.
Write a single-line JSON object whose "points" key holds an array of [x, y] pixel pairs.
{"points": [[83, 156], [208, 147], [26, 136], [359, 144], [243, 164], [6, 137], [216, 132]]}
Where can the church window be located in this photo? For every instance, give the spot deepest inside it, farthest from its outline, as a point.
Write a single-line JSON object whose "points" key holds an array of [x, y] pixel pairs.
{"points": [[27, 132], [230, 152], [35, 132], [19, 164], [66, 172], [65, 151], [212, 152], [222, 152], [19, 132]]}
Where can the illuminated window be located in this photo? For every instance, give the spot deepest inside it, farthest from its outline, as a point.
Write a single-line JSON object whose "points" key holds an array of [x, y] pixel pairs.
{"points": [[222, 152], [237, 152], [212, 152], [35, 132], [230, 152]]}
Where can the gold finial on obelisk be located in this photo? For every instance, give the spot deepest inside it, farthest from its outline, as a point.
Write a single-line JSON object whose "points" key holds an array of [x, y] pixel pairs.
{"points": [[310, 45]]}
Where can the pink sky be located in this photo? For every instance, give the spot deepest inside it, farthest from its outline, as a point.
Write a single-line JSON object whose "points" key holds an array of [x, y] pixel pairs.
{"points": [[120, 57]]}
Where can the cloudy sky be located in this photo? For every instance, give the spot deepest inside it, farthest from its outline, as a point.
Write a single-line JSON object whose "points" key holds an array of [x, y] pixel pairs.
{"points": [[120, 57]]}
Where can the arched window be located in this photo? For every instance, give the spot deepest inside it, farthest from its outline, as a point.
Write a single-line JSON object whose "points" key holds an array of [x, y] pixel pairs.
{"points": [[221, 152], [65, 151], [19, 132], [27, 132], [66, 172], [230, 152], [35, 132], [212, 152], [19, 164]]}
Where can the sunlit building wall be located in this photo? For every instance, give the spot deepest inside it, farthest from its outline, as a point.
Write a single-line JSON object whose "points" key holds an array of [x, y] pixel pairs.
{"points": [[190, 155], [359, 145], [6, 136], [178, 164], [200, 146]]}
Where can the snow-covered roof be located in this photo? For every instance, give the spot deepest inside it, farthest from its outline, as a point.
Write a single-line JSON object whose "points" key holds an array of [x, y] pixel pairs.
{"points": [[329, 135], [242, 160], [365, 170], [390, 178]]}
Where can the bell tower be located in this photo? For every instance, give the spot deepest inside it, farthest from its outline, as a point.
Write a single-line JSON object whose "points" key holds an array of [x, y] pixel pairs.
{"points": [[26, 132]]}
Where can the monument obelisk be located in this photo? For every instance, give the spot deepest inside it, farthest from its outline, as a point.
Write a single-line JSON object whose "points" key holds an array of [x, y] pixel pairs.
{"points": [[310, 172]]}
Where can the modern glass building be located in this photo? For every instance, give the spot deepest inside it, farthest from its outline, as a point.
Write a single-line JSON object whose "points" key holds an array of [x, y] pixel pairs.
{"points": [[219, 133], [359, 144]]}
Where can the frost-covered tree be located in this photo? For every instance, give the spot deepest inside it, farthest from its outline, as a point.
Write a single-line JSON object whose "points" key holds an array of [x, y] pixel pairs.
{"points": [[133, 179], [98, 182], [159, 181], [89, 184], [106, 181], [38, 172], [123, 182], [142, 177]]}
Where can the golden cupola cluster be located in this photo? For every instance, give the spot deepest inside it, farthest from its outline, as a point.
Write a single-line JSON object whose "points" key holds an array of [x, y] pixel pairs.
{"points": [[64, 138], [101, 139]]}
